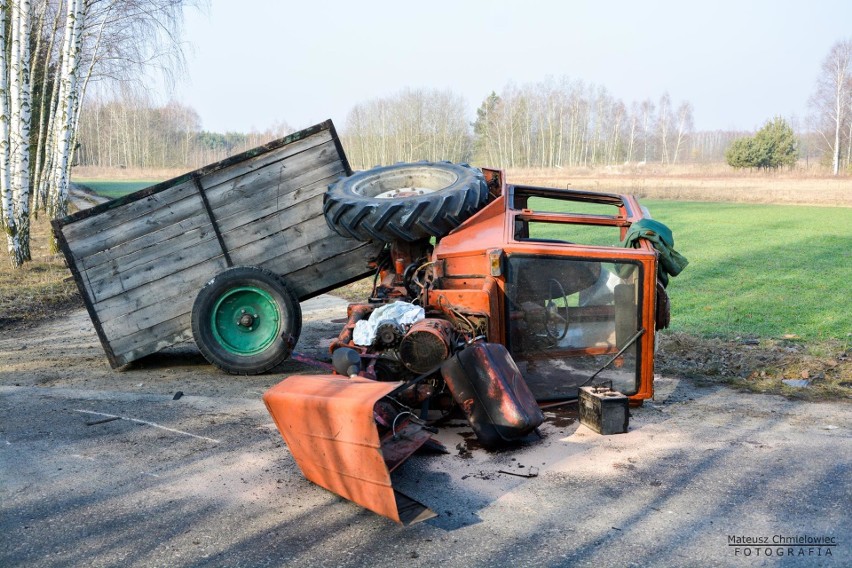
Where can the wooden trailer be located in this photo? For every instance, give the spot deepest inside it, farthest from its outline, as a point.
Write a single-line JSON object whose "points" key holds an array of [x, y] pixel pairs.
{"points": [[140, 261]]}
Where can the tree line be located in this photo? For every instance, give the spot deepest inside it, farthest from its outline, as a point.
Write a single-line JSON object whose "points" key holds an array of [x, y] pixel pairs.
{"points": [[131, 131], [543, 125], [551, 124]]}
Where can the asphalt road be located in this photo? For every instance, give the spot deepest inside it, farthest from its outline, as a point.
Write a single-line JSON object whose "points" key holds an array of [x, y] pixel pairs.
{"points": [[206, 480]]}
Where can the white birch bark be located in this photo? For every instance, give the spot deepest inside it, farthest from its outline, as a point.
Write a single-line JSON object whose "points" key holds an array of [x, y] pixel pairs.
{"points": [[65, 108], [21, 160], [8, 209]]}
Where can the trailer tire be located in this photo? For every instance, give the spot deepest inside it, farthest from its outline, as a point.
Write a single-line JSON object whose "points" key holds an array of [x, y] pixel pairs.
{"points": [[246, 320], [408, 202]]}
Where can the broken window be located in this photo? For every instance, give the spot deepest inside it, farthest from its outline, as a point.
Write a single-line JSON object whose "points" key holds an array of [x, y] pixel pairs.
{"points": [[568, 317]]}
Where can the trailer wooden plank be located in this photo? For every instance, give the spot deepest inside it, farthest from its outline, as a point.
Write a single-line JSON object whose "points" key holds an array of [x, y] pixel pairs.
{"points": [[163, 243], [187, 281], [182, 254], [287, 206], [318, 251], [148, 316], [263, 161], [276, 194], [271, 236], [153, 339], [147, 247], [242, 190], [316, 279], [123, 215], [186, 208]]}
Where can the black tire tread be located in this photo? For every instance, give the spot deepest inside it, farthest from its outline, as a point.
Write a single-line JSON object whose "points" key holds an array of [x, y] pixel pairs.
{"points": [[409, 219]]}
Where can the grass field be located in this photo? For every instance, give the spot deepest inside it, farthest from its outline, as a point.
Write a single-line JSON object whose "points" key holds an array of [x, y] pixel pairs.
{"points": [[761, 270]]}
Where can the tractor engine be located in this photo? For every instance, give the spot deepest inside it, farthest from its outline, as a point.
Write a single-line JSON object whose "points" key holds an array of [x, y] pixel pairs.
{"points": [[405, 336]]}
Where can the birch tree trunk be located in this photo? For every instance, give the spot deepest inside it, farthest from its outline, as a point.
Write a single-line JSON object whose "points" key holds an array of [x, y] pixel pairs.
{"points": [[9, 225], [832, 98], [684, 127], [42, 150], [65, 111], [21, 115]]}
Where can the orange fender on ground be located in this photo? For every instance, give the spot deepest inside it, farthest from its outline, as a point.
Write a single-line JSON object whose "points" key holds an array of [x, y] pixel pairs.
{"points": [[328, 423]]}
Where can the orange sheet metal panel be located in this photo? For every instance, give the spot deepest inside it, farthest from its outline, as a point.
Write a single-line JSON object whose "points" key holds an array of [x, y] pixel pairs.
{"points": [[327, 422]]}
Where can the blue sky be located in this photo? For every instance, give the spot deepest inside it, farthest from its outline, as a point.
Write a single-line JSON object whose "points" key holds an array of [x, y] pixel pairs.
{"points": [[253, 63]]}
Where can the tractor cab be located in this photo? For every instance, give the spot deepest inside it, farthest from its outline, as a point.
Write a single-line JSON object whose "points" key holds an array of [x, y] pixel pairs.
{"points": [[573, 305]]}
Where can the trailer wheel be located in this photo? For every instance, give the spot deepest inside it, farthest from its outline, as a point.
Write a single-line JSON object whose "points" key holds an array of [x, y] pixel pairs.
{"points": [[405, 202], [246, 320]]}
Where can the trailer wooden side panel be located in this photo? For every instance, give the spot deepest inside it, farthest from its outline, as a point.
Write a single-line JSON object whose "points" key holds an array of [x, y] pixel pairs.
{"points": [[140, 260]]}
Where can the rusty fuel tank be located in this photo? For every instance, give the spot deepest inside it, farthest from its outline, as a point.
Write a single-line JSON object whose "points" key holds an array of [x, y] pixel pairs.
{"points": [[491, 391]]}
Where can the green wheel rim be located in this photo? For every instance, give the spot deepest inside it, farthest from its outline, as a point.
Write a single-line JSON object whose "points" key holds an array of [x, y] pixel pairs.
{"points": [[245, 320]]}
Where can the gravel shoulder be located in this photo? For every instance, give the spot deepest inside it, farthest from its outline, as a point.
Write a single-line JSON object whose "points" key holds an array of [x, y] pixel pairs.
{"points": [[207, 480]]}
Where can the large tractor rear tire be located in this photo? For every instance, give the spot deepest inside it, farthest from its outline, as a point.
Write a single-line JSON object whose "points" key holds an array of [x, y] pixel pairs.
{"points": [[405, 202], [246, 320]]}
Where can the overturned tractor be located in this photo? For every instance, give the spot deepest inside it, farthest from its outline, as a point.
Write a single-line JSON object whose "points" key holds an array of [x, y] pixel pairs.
{"points": [[487, 299]]}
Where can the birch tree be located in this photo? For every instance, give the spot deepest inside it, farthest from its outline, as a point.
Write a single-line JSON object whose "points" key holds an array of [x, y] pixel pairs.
{"points": [[8, 222], [832, 100], [14, 127], [684, 128], [57, 204], [664, 127]]}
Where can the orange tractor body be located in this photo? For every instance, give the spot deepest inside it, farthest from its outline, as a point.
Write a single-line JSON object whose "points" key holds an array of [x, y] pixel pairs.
{"points": [[531, 298]]}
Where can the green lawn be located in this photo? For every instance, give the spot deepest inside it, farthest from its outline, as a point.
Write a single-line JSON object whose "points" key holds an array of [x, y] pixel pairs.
{"points": [[761, 270], [756, 271], [113, 189]]}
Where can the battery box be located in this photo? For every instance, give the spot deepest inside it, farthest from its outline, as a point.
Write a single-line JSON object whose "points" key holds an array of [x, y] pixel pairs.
{"points": [[604, 410]]}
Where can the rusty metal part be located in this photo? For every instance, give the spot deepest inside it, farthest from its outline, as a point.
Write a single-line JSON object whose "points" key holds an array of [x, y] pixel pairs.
{"points": [[389, 334], [416, 395], [496, 182], [356, 313], [496, 400], [427, 343], [664, 311], [329, 425], [395, 276]]}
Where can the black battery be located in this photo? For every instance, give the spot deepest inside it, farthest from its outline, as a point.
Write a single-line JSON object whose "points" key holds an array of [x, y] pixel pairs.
{"points": [[604, 410]]}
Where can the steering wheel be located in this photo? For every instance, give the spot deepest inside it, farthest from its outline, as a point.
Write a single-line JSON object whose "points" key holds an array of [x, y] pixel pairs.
{"points": [[552, 319]]}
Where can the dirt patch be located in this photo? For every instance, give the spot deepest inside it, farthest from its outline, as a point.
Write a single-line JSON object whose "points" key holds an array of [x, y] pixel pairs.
{"points": [[811, 372]]}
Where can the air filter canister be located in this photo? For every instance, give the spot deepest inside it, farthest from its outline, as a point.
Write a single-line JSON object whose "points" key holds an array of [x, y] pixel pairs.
{"points": [[426, 344]]}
